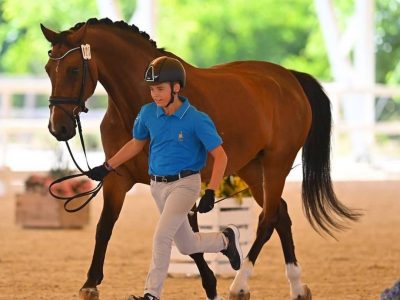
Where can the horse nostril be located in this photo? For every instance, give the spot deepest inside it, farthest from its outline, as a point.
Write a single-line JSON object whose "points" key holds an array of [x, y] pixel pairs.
{"points": [[63, 130]]}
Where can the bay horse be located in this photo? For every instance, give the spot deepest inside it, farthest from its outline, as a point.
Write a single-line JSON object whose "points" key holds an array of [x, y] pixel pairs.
{"points": [[264, 113]]}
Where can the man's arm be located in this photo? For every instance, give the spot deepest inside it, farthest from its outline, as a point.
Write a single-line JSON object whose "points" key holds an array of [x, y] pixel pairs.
{"points": [[219, 166], [220, 161], [129, 150]]}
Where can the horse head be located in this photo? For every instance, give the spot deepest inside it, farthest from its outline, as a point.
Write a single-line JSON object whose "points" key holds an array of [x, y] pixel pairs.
{"points": [[73, 75]]}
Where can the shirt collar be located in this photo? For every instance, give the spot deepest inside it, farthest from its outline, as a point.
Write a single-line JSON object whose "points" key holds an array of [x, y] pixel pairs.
{"points": [[180, 113]]}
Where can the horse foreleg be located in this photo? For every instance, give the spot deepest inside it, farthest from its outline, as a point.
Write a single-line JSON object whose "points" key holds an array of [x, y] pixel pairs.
{"points": [[293, 271], [114, 195], [208, 280]]}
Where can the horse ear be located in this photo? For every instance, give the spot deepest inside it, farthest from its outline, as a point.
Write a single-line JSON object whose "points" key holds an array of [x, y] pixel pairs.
{"points": [[50, 35], [77, 36]]}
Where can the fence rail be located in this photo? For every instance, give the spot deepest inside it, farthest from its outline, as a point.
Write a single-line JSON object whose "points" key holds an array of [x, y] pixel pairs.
{"points": [[33, 120]]}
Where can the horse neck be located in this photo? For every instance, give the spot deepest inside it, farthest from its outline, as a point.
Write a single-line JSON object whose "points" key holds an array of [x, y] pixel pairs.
{"points": [[121, 62]]}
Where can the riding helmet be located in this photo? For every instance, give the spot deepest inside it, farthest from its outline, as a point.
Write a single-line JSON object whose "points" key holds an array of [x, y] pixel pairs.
{"points": [[165, 69]]}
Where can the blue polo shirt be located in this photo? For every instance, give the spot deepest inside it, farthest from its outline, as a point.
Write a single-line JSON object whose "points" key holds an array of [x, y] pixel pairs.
{"points": [[178, 142]]}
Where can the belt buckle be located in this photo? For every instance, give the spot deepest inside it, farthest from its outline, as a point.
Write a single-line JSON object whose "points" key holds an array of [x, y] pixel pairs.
{"points": [[164, 179]]}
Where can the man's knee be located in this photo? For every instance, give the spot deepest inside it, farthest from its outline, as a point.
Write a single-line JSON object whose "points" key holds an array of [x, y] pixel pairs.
{"points": [[185, 250], [186, 247]]}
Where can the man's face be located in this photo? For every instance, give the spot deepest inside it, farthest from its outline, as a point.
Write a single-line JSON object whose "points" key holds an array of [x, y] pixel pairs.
{"points": [[161, 93]]}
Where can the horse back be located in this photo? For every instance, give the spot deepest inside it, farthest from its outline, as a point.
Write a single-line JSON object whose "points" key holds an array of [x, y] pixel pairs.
{"points": [[257, 104]]}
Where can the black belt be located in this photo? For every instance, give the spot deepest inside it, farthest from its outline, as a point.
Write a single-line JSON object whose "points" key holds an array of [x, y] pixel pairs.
{"points": [[170, 178]]}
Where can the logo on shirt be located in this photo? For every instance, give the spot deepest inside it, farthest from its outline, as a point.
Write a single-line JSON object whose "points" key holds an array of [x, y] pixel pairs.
{"points": [[180, 136], [137, 117]]}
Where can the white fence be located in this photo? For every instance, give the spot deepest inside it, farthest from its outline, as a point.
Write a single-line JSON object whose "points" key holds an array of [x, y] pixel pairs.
{"points": [[22, 127], [337, 91], [25, 126], [19, 124]]}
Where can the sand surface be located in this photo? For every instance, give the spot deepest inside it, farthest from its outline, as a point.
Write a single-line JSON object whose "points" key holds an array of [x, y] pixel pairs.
{"points": [[52, 264]]}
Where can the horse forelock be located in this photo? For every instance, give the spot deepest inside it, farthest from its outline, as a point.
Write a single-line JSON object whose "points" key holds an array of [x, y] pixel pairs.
{"points": [[106, 21]]}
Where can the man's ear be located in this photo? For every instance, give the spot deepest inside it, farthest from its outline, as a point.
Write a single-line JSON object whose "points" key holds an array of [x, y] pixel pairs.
{"points": [[177, 87]]}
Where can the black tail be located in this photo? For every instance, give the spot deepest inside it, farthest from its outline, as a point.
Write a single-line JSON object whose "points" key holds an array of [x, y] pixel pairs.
{"points": [[322, 208]]}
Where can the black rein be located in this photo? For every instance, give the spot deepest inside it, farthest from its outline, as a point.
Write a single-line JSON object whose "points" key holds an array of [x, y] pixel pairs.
{"points": [[80, 103], [92, 192]]}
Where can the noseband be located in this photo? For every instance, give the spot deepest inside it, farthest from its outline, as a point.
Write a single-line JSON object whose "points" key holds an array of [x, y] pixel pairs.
{"points": [[79, 101]]}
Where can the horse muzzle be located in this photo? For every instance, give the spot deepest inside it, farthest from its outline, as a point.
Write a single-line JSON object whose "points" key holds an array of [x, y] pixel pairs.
{"points": [[62, 132]]}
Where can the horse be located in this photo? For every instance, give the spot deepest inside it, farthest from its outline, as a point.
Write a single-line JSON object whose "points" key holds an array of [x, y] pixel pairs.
{"points": [[264, 113]]}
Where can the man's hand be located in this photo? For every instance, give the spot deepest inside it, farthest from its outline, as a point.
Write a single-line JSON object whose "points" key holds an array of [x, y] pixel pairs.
{"points": [[98, 173], [206, 202]]}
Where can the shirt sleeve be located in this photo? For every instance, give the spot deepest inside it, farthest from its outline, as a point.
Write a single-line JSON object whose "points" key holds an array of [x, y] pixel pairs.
{"points": [[140, 130], [207, 133]]}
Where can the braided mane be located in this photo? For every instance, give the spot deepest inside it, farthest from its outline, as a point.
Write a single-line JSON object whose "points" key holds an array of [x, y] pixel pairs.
{"points": [[118, 24]]}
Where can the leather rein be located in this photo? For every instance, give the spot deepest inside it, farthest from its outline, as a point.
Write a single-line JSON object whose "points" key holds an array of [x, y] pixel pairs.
{"points": [[80, 107]]}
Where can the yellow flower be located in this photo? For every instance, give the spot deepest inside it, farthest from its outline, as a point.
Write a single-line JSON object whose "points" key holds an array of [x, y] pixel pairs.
{"points": [[229, 186]]}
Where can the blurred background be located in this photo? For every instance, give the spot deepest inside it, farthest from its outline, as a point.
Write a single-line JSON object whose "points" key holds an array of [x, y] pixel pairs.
{"points": [[351, 46]]}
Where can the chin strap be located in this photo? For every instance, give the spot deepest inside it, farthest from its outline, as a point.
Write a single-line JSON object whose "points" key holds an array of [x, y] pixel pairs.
{"points": [[172, 96]]}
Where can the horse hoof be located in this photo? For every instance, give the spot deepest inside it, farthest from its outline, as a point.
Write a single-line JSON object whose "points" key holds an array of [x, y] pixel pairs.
{"points": [[216, 298], [307, 294], [241, 296], [89, 294]]}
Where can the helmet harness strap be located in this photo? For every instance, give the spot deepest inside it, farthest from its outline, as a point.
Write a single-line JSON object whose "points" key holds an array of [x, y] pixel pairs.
{"points": [[172, 95]]}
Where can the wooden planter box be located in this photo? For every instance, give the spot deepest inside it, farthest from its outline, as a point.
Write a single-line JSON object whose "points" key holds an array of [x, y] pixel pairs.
{"points": [[34, 209], [224, 213]]}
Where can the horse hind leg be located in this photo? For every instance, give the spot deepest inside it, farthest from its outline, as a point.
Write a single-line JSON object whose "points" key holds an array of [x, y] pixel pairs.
{"points": [[298, 291], [266, 179]]}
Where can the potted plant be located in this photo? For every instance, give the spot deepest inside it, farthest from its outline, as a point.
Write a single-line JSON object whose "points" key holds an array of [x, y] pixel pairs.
{"points": [[232, 187], [37, 208]]}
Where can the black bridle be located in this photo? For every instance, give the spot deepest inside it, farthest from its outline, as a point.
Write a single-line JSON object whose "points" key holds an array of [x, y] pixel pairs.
{"points": [[79, 101], [80, 106]]}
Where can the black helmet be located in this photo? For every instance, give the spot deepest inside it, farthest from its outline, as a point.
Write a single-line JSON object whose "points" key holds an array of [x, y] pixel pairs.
{"points": [[165, 69]]}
